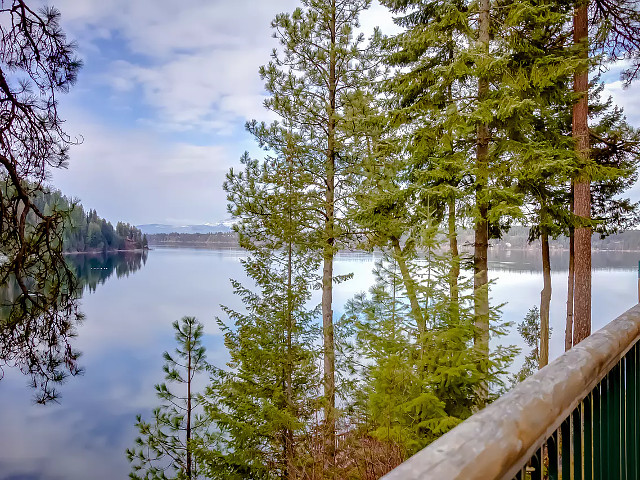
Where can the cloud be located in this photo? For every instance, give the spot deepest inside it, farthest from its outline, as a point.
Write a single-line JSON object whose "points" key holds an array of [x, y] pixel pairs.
{"points": [[208, 91], [195, 63], [627, 98], [140, 177]]}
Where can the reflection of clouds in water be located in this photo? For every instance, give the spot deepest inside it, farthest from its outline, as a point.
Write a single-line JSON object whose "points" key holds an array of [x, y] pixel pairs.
{"points": [[613, 292], [128, 326], [63, 444]]}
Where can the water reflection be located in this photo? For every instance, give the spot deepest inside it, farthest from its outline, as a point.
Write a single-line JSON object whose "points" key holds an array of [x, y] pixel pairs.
{"points": [[530, 260], [94, 270], [128, 326], [38, 320]]}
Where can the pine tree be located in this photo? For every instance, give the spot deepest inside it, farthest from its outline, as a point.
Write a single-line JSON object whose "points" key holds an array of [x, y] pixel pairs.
{"points": [[617, 37], [164, 448], [264, 404], [529, 330], [543, 157], [39, 64], [311, 82], [466, 86]]}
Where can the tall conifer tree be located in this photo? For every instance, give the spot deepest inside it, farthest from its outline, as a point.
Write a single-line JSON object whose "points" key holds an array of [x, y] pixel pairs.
{"points": [[311, 80], [263, 404], [615, 26], [466, 90]]}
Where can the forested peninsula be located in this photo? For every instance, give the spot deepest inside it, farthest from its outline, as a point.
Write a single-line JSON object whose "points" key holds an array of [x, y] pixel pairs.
{"points": [[85, 231]]}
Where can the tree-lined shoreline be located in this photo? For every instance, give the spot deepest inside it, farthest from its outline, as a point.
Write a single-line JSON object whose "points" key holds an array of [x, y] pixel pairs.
{"points": [[517, 238]]}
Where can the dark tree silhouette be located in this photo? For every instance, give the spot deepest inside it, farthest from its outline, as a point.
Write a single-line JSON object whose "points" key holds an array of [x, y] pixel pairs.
{"points": [[37, 62]]}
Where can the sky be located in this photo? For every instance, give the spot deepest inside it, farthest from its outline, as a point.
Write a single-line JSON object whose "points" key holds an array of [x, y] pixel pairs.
{"points": [[161, 102]]}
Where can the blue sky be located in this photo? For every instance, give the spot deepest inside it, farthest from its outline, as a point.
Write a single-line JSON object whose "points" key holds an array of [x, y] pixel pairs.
{"points": [[161, 102]]}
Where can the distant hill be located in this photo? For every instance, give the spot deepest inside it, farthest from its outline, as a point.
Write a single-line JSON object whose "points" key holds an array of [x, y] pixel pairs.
{"points": [[156, 228], [515, 239]]}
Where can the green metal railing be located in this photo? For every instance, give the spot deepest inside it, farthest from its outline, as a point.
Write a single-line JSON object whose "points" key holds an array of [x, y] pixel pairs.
{"points": [[599, 439], [577, 418]]}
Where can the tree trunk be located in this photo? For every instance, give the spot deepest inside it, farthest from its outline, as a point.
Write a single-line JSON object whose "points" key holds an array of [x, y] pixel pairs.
{"points": [[454, 271], [328, 254], [568, 330], [409, 286], [545, 300], [582, 191], [189, 377], [288, 436], [481, 244]]}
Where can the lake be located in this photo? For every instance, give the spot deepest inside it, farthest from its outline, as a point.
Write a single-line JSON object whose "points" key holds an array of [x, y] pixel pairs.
{"points": [[130, 302]]}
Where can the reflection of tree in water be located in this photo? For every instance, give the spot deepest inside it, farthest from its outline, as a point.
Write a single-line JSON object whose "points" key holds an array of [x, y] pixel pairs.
{"points": [[39, 315], [93, 270], [38, 320]]}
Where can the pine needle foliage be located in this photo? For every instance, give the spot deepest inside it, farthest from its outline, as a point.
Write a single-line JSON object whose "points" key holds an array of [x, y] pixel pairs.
{"points": [[417, 386], [529, 330], [263, 404], [164, 448], [313, 78]]}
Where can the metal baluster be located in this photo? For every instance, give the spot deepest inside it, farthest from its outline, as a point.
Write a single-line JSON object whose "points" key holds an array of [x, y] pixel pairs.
{"points": [[536, 464], [632, 412], [552, 452], [605, 417], [614, 420], [565, 431], [576, 424], [597, 433], [588, 436]]}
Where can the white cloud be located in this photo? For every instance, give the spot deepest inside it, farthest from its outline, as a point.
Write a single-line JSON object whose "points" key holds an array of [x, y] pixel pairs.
{"points": [[140, 177], [200, 58], [627, 98], [194, 64]]}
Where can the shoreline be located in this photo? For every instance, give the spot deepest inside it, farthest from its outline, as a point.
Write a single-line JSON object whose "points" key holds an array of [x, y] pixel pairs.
{"points": [[103, 252]]}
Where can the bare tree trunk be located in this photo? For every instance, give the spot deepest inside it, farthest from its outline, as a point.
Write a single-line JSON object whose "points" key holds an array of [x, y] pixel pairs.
{"points": [[288, 437], [481, 244], [582, 190], [454, 271], [568, 330], [409, 286], [545, 300], [328, 254], [189, 377]]}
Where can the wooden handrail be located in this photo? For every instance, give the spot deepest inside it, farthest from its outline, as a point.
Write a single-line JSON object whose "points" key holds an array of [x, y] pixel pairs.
{"points": [[496, 442]]}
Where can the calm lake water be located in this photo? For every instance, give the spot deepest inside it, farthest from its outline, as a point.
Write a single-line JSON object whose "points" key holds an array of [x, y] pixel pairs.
{"points": [[129, 303]]}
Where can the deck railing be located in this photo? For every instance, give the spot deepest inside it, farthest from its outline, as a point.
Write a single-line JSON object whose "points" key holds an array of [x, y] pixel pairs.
{"points": [[577, 418]]}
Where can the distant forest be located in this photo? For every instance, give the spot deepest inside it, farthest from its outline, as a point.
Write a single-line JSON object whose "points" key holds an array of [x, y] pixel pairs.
{"points": [[87, 231], [201, 240], [516, 238]]}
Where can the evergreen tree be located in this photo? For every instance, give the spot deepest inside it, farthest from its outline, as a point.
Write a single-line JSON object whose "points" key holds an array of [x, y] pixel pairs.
{"points": [[164, 448], [529, 330], [39, 64], [617, 37], [312, 81], [471, 86], [263, 406], [417, 386]]}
